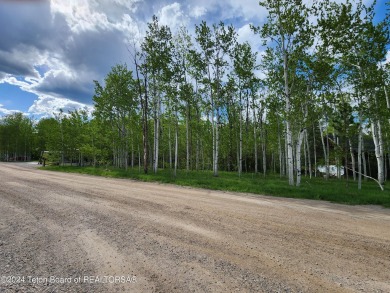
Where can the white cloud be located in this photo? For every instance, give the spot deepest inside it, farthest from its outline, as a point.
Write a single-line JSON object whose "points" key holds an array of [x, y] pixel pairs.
{"points": [[47, 106], [173, 16], [197, 11], [4, 111], [128, 4], [245, 34], [248, 9], [69, 66], [21, 60], [387, 57], [79, 15], [129, 26]]}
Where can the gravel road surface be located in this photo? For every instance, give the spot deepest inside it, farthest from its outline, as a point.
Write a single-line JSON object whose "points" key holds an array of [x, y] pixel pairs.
{"points": [[78, 233]]}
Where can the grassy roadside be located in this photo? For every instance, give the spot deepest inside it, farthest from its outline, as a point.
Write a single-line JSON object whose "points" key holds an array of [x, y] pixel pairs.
{"points": [[332, 190]]}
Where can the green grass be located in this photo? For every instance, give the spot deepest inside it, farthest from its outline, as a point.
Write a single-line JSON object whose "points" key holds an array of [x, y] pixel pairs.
{"points": [[332, 190]]}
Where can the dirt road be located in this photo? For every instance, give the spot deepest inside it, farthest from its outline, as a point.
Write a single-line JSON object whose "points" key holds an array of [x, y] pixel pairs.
{"points": [[77, 233]]}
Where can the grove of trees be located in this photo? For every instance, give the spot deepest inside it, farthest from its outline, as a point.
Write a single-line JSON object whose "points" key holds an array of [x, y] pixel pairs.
{"points": [[318, 95]]}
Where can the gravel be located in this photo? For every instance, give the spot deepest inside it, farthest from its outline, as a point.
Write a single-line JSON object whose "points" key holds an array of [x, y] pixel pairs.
{"points": [[78, 233]]}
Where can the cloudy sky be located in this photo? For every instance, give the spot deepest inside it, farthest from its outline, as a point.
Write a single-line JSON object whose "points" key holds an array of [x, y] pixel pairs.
{"points": [[51, 51]]}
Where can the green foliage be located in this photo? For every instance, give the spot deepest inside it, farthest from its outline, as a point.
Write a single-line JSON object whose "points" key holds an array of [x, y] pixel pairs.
{"points": [[17, 138]]}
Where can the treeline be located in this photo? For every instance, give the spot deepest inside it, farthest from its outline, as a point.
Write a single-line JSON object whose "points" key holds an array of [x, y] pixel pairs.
{"points": [[197, 102]]}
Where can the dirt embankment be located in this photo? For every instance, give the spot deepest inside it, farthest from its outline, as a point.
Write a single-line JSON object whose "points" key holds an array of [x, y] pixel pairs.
{"points": [[77, 233]]}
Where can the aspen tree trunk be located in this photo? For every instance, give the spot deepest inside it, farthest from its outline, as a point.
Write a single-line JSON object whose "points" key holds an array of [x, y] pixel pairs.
{"points": [[145, 140], [114, 150], [126, 153], [314, 151], [154, 134], [264, 156], [238, 152], [363, 154], [305, 155], [280, 153], [62, 147], [187, 138], [151, 155], [336, 139], [197, 134], [290, 163], [325, 152], [285, 158], [213, 138], [216, 158], [387, 99], [327, 157], [213, 123], [176, 145], [94, 151], [132, 150], [360, 156], [139, 160], [353, 161], [202, 152], [157, 135], [346, 174], [378, 142], [216, 146], [240, 139], [170, 146], [308, 153], [197, 153], [298, 156], [254, 133], [144, 110]]}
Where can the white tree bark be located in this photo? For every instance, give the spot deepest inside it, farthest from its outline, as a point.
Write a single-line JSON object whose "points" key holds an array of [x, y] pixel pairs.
{"points": [[308, 153], [315, 151], [289, 140], [387, 97], [325, 151], [263, 146], [216, 146], [360, 156], [255, 133], [139, 160], [280, 153], [240, 147], [363, 155], [197, 153], [187, 138], [132, 149], [298, 156], [170, 147], [353, 161], [176, 146], [157, 135], [379, 152]]}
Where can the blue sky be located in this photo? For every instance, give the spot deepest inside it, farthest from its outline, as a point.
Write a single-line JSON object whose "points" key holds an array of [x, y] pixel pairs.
{"points": [[51, 51]]}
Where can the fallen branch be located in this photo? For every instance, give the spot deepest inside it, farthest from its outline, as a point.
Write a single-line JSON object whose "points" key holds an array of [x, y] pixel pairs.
{"points": [[380, 185]]}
